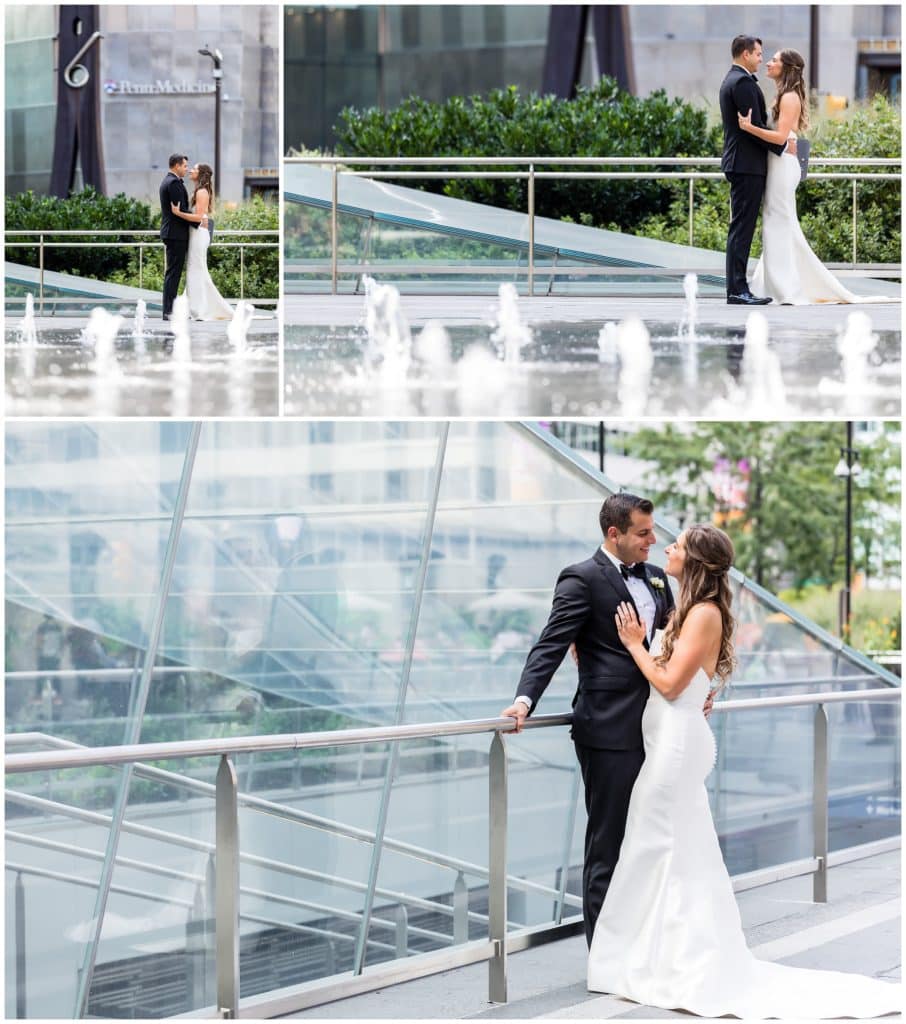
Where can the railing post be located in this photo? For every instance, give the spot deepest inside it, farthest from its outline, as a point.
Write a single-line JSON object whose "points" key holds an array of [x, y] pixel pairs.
{"points": [[531, 230], [141, 263], [691, 202], [460, 910], [819, 805], [20, 948], [41, 274], [333, 231], [855, 217], [402, 931], [226, 925], [241, 271], [497, 813]]}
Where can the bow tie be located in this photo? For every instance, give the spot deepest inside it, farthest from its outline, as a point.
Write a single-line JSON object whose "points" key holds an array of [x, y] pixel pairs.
{"points": [[637, 570]]}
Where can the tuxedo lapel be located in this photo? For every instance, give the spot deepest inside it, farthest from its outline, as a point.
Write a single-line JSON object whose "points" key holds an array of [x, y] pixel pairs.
{"points": [[613, 577]]}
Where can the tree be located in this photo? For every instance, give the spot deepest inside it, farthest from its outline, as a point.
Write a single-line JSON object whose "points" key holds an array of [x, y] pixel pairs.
{"points": [[771, 486]]}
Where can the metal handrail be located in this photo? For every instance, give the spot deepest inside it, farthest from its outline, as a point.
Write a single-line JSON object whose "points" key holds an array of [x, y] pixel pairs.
{"points": [[340, 164], [42, 244], [131, 753], [579, 161], [227, 851]]}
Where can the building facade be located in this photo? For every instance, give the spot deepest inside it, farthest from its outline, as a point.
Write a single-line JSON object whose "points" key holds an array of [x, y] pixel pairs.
{"points": [[378, 55], [157, 95]]}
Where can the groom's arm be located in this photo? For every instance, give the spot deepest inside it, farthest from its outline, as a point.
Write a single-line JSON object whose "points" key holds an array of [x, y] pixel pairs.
{"points": [[569, 611], [746, 96]]}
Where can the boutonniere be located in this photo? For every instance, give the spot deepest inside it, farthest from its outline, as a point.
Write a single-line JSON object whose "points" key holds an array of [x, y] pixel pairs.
{"points": [[657, 582]]}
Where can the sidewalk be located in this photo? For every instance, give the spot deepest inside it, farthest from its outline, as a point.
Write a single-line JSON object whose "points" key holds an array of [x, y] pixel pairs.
{"points": [[858, 930]]}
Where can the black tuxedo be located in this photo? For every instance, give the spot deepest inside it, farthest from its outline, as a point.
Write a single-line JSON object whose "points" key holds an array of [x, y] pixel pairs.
{"points": [[745, 165], [607, 707], [174, 232]]}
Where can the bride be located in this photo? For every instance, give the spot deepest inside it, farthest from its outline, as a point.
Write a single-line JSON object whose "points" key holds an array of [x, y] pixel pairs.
{"points": [[205, 302], [669, 933], [788, 269]]}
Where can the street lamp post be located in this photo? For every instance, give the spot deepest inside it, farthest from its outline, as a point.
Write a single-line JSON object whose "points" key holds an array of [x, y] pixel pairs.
{"points": [[217, 57], [847, 469]]}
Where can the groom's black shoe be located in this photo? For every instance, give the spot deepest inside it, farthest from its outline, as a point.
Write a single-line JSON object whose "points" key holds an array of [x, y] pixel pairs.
{"points": [[748, 299], [165, 317]]}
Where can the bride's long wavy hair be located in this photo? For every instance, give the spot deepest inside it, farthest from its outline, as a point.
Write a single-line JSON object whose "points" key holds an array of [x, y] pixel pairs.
{"points": [[709, 555], [792, 79], [205, 180]]}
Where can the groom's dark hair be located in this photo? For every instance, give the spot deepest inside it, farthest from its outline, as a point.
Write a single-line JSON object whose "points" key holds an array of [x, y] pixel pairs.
{"points": [[177, 158], [618, 508], [744, 44]]}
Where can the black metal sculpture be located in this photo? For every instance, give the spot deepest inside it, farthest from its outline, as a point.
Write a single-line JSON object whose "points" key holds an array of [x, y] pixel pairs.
{"points": [[565, 39], [77, 135]]}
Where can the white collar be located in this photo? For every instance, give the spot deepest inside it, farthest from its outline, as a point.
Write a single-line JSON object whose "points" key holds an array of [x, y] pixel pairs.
{"points": [[617, 563]]}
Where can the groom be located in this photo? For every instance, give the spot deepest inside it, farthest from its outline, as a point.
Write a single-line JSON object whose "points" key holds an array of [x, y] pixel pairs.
{"points": [[612, 693], [744, 163], [174, 231]]}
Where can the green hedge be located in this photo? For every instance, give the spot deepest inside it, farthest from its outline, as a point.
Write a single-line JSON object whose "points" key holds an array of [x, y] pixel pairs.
{"points": [[600, 121], [89, 210]]}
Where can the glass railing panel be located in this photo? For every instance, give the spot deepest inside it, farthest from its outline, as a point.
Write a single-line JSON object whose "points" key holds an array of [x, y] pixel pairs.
{"points": [[438, 804], [58, 823], [304, 885], [865, 772], [761, 786]]}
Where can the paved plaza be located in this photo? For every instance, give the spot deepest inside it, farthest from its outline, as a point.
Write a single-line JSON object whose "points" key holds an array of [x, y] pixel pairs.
{"points": [[857, 930]]}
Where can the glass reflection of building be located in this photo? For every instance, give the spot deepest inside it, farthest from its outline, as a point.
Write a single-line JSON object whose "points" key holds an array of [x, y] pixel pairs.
{"points": [[377, 55], [328, 575]]}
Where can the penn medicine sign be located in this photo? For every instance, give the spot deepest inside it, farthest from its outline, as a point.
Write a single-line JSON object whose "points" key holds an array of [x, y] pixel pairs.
{"points": [[162, 87]]}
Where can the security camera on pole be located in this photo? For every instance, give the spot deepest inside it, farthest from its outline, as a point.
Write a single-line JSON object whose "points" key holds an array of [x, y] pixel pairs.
{"points": [[217, 57]]}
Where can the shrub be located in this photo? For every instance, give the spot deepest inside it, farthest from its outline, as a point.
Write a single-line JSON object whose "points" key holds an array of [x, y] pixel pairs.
{"points": [[89, 210], [86, 210], [600, 121]]}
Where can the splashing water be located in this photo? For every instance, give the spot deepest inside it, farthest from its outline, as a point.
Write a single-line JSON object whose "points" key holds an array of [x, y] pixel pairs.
{"points": [[389, 345], [690, 314], [607, 344], [762, 378], [28, 332], [510, 333], [433, 351], [636, 361], [855, 343], [238, 328], [100, 332], [182, 342], [138, 323]]}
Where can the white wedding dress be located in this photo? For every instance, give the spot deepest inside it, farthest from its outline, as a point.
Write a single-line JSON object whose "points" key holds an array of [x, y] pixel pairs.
{"points": [[669, 933], [788, 270], [205, 302]]}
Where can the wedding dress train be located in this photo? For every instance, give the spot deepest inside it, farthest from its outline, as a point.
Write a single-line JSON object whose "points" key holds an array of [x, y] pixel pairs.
{"points": [[788, 270], [205, 302], [669, 933]]}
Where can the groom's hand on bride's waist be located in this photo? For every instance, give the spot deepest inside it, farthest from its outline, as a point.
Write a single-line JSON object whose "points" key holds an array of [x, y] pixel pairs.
{"points": [[709, 703]]}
